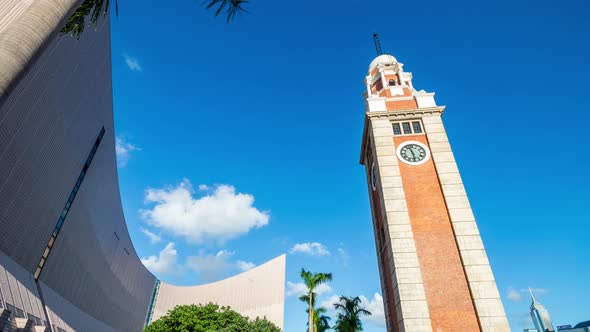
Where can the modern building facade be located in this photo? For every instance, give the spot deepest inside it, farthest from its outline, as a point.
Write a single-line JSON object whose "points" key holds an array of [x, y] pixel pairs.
{"points": [[66, 259], [580, 327], [254, 293], [435, 274]]}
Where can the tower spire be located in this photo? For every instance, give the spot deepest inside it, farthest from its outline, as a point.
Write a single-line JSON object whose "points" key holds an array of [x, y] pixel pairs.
{"points": [[377, 44]]}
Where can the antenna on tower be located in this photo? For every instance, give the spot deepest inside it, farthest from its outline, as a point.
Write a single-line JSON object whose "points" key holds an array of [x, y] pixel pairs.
{"points": [[377, 43]]}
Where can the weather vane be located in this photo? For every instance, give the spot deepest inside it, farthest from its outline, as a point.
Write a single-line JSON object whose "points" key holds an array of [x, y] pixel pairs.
{"points": [[377, 43]]}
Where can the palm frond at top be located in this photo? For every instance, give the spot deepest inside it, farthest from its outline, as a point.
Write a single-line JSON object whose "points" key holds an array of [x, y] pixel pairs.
{"points": [[96, 8], [229, 7]]}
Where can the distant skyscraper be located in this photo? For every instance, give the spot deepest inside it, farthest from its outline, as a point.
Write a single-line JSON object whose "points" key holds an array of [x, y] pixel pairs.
{"points": [[540, 316]]}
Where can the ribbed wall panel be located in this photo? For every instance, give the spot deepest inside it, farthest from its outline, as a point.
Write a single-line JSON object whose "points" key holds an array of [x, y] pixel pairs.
{"points": [[67, 316], [93, 279], [18, 287], [48, 124], [123, 301], [259, 292], [44, 138], [10, 10]]}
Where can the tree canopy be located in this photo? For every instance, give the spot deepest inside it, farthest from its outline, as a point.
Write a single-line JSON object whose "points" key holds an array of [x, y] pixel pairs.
{"points": [[208, 318]]}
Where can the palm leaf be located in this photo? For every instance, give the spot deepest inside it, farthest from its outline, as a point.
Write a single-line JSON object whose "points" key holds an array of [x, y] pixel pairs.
{"points": [[96, 8], [349, 314], [230, 7]]}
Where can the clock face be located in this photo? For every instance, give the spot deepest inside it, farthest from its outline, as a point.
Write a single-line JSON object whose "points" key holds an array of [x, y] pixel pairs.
{"points": [[374, 177], [413, 153]]}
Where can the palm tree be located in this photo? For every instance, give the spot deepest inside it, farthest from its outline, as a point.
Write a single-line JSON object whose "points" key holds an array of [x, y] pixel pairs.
{"points": [[320, 320], [94, 8], [349, 316], [312, 280]]}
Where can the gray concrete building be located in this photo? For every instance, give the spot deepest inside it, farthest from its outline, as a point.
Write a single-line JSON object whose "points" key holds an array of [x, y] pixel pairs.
{"points": [[66, 259]]}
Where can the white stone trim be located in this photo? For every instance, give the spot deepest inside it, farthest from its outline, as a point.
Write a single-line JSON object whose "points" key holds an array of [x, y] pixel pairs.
{"points": [[376, 104], [480, 278], [400, 98], [408, 285], [414, 113]]}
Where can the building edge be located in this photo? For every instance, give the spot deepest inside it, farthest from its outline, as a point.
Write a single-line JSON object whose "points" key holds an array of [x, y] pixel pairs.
{"points": [[28, 39]]}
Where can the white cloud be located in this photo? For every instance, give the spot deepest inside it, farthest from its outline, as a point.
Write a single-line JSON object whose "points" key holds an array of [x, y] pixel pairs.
{"points": [[245, 266], [344, 256], [203, 187], [299, 288], [516, 295], [132, 63], [220, 215], [211, 267], [322, 289], [295, 289], [153, 237], [513, 295], [310, 248], [536, 291], [123, 150], [329, 304], [375, 306], [164, 263]]}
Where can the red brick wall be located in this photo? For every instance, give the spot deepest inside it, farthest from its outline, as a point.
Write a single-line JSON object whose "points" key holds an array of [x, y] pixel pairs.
{"points": [[401, 105], [447, 293], [376, 87]]}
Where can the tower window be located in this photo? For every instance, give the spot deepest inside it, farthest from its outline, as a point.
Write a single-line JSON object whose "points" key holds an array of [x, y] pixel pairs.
{"points": [[392, 83], [407, 128], [417, 127]]}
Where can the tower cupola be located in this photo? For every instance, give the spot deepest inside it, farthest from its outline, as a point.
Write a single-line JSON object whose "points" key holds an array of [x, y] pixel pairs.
{"points": [[390, 88]]}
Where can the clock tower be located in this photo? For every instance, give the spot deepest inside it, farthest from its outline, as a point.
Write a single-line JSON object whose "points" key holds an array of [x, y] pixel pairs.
{"points": [[435, 275]]}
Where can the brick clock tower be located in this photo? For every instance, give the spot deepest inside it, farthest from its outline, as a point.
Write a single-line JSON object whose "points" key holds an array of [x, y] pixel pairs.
{"points": [[435, 275]]}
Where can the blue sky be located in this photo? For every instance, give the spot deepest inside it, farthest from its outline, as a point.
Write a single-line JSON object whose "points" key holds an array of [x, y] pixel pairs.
{"points": [[256, 125]]}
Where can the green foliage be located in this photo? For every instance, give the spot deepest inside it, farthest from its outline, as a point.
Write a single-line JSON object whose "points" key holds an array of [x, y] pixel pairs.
{"points": [[96, 8], [76, 23], [208, 318], [305, 299], [262, 325], [349, 314], [321, 320], [230, 7]]}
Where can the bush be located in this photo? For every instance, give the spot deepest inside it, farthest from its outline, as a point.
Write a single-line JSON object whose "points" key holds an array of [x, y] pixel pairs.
{"points": [[208, 318]]}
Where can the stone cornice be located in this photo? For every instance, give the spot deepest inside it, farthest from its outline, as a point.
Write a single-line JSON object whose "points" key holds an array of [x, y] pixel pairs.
{"points": [[406, 114]]}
